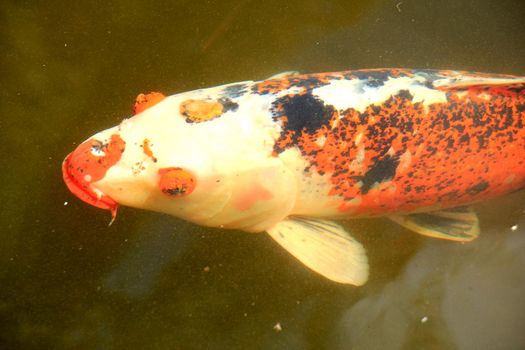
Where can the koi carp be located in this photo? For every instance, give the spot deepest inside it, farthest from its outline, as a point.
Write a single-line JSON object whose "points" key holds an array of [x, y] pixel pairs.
{"points": [[291, 154]]}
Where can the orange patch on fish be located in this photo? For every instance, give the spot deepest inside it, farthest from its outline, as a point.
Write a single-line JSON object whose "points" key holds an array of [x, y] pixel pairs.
{"points": [[145, 101], [146, 147], [247, 199], [200, 110], [176, 181]]}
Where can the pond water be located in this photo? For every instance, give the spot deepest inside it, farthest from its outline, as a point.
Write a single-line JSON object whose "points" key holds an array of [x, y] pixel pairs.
{"points": [[151, 281]]}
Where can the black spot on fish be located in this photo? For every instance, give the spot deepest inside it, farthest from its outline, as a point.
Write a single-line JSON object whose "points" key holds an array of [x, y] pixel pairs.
{"points": [[448, 196], [228, 104], [174, 191], [308, 83], [464, 138], [304, 113], [382, 170], [405, 94], [428, 84], [474, 190], [378, 76], [481, 141], [446, 122], [420, 189], [235, 91], [376, 109], [488, 132], [374, 83], [430, 76], [459, 127]]}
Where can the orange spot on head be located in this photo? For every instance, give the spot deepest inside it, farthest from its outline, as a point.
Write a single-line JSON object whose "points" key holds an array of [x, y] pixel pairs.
{"points": [[200, 110], [147, 150], [145, 101], [176, 181]]}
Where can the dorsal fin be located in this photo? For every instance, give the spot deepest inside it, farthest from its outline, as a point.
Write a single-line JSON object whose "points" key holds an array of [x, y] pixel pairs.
{"points": [[461, 82], [286, 74]]}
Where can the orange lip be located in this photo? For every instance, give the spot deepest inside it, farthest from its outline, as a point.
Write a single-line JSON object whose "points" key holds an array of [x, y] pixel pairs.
{"points": [[89, 163]]}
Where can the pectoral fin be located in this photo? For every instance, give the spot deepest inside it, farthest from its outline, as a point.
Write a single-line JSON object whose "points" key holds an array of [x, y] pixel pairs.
{"points": [[456, 224], [324, 247]]}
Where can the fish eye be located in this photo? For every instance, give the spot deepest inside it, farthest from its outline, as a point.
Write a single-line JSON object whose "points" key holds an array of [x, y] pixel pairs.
{"points": [[176, 182]]}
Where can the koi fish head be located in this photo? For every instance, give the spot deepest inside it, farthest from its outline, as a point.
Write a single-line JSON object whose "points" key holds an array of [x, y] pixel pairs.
{"points": [[190, 155]]}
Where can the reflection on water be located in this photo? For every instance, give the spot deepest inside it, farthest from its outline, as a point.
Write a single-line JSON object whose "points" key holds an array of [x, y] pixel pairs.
{"points": [[155, 246], [448, 296], [153, 282]]}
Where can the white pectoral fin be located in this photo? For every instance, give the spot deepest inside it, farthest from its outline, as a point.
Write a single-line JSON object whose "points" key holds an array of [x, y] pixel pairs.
{"points": [[324, 247], [456, 224]]}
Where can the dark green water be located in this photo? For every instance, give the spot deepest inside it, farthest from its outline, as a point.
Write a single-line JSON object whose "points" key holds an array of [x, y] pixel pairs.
{"points": [[151, 281]]}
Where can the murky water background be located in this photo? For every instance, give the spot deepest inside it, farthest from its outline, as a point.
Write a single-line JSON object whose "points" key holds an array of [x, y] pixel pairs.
{"points": [[154, 282]]}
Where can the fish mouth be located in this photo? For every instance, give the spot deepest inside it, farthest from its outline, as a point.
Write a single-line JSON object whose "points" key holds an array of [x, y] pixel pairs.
{"points": [[83, 190], [87, 164]]}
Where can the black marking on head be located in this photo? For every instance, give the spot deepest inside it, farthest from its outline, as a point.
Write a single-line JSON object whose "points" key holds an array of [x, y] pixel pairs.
{"points": [[383, 170], [480, 187], [235, 91], [304, 113], [175, 191], [228, 105]]}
